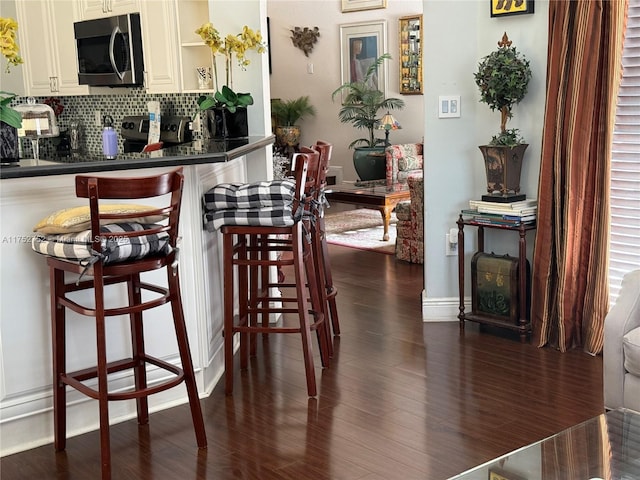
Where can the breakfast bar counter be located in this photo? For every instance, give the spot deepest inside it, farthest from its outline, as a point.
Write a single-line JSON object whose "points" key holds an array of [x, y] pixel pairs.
{"points": [[194, 153], [30, 192]]}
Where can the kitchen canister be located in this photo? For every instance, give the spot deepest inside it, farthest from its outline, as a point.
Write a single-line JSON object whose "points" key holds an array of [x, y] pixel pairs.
{"points": [[109, 138]]}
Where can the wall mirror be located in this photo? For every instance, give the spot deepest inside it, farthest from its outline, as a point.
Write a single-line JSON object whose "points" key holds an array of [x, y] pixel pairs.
{"points": [[410, 55]]}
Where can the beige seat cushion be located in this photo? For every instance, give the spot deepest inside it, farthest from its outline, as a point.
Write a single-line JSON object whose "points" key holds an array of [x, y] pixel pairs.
{"points": [[631, 347], [78, 219]]}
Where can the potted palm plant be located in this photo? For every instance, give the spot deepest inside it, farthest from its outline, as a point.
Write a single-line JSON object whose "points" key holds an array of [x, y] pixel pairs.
{"points": [[286, 114], [362, 106], [503, 78]]}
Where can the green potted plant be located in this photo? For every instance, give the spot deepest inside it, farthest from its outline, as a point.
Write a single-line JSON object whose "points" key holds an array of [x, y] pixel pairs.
{"points": [[10, 119], [363, 105], [286, 115], [8, 114], [503, 79], [224, 114]]}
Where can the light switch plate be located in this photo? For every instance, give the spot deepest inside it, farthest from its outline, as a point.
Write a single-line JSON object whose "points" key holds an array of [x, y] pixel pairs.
{"points": [[449, 106]]}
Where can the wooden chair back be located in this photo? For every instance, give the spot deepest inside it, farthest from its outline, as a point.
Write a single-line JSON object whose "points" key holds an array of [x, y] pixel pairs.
{"points": [[126, 188], [324, 149]]}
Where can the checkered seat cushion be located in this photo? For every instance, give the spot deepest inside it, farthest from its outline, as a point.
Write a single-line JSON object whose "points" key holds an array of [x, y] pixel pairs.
{"points": [[277, 216], [252, 204], [249, 195], [115, 247]]}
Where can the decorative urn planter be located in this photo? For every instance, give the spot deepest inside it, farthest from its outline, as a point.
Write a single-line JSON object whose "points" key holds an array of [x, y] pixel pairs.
{"points": [[288, 136], [503, 166], [370, 163]]}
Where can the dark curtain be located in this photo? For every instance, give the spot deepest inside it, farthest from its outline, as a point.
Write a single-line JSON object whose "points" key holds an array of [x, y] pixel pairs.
{"points": [[570, 277]]}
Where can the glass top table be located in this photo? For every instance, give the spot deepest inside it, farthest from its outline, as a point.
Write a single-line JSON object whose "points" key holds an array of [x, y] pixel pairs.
{"points": [[603, 447], [372, 195]]}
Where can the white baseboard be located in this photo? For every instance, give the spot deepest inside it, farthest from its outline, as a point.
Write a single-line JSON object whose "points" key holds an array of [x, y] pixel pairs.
{"points": [[444, 309]]}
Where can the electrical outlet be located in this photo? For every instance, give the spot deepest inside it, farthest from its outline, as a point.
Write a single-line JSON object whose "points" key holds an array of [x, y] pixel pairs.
{"points": [[97, 118], [450, 248]]}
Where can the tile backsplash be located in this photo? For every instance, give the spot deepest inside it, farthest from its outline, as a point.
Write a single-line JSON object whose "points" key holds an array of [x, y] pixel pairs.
{"points": [[132, 101]]}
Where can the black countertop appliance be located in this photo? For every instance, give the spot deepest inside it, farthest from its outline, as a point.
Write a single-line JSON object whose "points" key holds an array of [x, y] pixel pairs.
{"points": [[174, 130]]}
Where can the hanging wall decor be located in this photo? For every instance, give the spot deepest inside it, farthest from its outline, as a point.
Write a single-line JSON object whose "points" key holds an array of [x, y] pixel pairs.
{"points": [[503, 8], [305, 38], [360, 45]]}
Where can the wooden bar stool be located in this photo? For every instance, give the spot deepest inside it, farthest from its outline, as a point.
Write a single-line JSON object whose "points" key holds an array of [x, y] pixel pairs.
{"points": [[320, 239], [118, 246], [256, 237], [315, 203], [316, 176]]}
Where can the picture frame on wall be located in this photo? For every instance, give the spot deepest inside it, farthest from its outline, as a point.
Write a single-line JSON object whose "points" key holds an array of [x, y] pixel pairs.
{"points": [[357, 5], [360, 45], [503, 8]]}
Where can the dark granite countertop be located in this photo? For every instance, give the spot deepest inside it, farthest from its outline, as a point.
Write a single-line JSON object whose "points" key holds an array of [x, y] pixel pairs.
{"points": [[187, 154]]}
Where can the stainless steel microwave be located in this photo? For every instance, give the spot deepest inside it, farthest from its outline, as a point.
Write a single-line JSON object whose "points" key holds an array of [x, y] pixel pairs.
{"points": [[110, 51]]}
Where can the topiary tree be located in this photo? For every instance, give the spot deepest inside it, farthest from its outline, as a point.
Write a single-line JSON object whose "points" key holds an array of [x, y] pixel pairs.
{"points": [[503, 78]]}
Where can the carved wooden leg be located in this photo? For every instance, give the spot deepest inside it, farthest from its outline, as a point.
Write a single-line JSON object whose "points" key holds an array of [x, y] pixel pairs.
{"points": [[386, 219]]}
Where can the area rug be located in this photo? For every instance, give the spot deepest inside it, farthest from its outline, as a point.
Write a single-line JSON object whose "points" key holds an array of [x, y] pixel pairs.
{"points": [[360, 228]]}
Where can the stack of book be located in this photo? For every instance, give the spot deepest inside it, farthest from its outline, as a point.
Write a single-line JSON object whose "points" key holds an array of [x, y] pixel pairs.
{"points": [[514, 213]]}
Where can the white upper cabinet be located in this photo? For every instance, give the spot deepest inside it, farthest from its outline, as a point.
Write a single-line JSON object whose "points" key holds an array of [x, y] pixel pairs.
{"points": [[48, 47], [64, 44], [106, 8], [160, 42], [171, 49]]}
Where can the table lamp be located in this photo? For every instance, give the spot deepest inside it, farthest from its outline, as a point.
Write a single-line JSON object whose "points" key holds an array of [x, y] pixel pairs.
{"points": [[387, 123]]}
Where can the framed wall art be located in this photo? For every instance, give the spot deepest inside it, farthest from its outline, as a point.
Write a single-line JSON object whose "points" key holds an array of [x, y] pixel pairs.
{"points": [[357, 5], [360, 45], [410, 55], [503, 8]]}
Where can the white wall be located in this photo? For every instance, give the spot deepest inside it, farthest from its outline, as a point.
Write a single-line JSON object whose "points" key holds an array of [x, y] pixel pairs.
{"points": [[456, 35], [229, 17], [289, 78], [454, 168]]}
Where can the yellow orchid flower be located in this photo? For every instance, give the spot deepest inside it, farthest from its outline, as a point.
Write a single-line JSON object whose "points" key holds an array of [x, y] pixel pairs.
{"points": [[8, 44], [231, 45]]}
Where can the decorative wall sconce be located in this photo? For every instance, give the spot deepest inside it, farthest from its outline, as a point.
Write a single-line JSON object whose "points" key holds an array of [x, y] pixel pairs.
{"points": [[305, 38]]}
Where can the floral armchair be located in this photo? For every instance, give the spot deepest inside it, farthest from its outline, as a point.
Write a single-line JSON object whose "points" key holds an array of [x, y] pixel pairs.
{"points": [[410, 226], [403, 161]]}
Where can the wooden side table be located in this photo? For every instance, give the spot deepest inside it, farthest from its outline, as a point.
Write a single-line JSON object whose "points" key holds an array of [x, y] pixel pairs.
{"points": [[523, 326]]}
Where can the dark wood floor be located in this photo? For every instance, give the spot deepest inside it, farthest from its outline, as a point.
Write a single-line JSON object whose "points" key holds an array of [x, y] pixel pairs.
{"points": [[402, 399]]}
